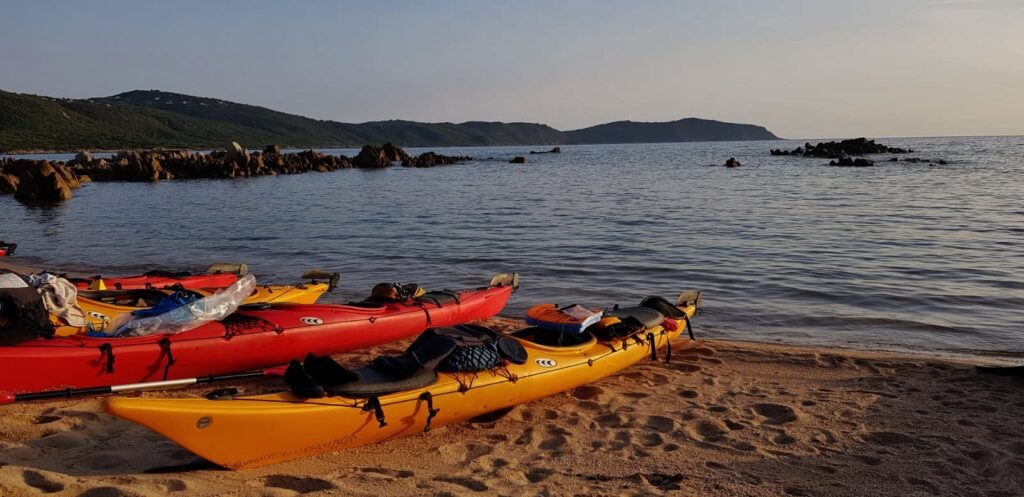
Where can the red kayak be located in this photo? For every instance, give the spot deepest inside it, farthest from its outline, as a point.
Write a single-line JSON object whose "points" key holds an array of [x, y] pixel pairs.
{"points": [[256, 336], [215, 276]]}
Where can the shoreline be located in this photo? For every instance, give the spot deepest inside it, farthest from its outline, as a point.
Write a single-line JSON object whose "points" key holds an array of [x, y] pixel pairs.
{"points": [[723, 418], [975, 359]]}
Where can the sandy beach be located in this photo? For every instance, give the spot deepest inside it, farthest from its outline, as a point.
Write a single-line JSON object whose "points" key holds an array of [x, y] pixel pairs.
{"points": [[723, 418]]}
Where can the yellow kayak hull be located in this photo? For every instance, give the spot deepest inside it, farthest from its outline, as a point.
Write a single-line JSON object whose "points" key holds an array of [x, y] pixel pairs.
{"points": [[99, 314], [253, 431]]}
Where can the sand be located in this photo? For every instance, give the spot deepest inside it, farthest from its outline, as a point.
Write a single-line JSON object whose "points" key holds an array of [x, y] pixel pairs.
{"points": [[722, 419]]}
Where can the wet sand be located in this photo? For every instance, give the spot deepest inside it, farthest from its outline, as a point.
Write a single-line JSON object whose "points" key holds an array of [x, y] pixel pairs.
{"points": [[722, 419]]}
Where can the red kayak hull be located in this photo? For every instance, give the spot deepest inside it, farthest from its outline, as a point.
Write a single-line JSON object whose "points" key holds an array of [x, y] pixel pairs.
{"points": [[247, 340], [141, 282]]}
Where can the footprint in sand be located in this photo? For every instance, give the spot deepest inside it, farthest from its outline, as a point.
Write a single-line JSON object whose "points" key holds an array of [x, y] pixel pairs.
{"points": [[775, 414], [538, 475], [394, 473], [783, 438], [41, 482], [297, 484], [553, 443], [176, 485], [587, 392], [684, 367], [526, 438], [622, 440], [707, 430], [689, 394], [889, 438], [104, 492], [660, 424], [651, 440], [470, 483], [734, 425]]}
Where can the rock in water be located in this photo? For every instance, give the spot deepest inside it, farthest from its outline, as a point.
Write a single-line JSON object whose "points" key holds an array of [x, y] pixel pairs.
{"points": [[83, 157], [518, 160], [372, 157], [42, 182], [732, 162], [8, 183], [272, 149], [836, 150], [849, 162], [395, 154]]}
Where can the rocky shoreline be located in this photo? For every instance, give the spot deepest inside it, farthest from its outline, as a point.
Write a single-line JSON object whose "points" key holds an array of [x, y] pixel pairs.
{"points": [[41, 181]]}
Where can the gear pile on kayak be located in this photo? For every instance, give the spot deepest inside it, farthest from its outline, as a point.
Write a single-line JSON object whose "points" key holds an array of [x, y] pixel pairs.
{"points": [[63, 338]]}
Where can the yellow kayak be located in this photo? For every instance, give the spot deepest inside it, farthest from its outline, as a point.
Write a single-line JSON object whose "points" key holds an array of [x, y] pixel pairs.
{"points": [[251, 431], [103, 307]]}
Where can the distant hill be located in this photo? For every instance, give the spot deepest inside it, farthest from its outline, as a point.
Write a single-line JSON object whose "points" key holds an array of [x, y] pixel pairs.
{"points": [[684, 130], [151, 119]]}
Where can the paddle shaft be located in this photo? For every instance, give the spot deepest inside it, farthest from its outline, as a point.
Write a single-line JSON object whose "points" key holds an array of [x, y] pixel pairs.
{"points": [[6, 398]]}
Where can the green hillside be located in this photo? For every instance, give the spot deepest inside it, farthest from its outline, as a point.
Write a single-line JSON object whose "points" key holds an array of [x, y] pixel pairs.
{"points": [[152, 119]]}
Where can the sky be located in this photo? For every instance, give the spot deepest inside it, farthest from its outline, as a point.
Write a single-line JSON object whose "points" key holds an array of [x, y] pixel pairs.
{"points": [[803, 69]]}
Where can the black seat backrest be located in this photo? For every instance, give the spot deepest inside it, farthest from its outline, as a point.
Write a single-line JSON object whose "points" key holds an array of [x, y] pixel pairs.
{"points": [[553, 337], [439, 299], [663, 306], [649, 317]]}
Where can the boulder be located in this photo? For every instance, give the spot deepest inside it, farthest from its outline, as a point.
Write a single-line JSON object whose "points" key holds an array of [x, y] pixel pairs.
{"points": [[518, 160], [395, 154], [272, 149], [8, 183], [83, 157], [372, 157], [732, 162], [41, 182]]}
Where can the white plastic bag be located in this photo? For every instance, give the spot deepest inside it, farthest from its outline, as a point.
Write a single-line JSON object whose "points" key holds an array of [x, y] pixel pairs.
{"points": [[213, 308]]}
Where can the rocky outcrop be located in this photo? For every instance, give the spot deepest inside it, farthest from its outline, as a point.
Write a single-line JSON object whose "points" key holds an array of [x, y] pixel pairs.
{"points": [[39, 181], [556, 150], [430, 159], [850, 162], [518, 160], [836, 150], [161, 165], [732, 162]]}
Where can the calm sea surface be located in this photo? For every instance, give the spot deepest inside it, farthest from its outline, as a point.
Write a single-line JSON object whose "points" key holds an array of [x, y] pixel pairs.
{"points": [[898, 256]]}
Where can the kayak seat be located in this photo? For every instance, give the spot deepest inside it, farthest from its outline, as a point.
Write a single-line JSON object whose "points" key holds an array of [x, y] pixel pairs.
{"points": [[160, 273], [649, 317], [373, 382], [554, 338], [663, 306], [439, 299], [124, 297]]}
